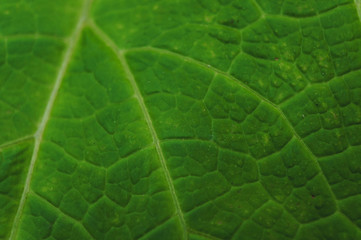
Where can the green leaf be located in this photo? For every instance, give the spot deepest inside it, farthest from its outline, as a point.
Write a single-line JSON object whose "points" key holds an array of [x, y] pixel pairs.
{"points": [[189, 119]]}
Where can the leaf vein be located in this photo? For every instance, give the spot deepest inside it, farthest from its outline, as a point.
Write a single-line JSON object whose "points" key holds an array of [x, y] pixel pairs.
{"points": [[250, 90], [46, 115], [138, 95], [15, 141]]}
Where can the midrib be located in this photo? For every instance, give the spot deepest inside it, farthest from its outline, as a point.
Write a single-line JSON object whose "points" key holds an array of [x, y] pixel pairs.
{"points": [[147, 117], [72, 42]]}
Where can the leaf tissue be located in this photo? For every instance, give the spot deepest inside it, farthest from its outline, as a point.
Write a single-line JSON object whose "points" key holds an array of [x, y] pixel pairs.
{"points": [[187, 119]]}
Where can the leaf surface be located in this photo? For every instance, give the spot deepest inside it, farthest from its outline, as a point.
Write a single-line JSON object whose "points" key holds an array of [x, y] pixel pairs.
{"points": [[189, 119]]}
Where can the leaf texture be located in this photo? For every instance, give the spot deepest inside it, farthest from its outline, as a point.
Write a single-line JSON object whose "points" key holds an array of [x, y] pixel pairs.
{"points": [[188, 119]]}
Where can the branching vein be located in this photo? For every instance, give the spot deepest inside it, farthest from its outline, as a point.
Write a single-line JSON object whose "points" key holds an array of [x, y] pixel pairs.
{"points": [[250, 90], [147, 117], [16, 141]]}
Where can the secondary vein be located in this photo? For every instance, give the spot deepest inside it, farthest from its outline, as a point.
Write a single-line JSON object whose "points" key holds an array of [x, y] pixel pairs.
{"points": [[72, 42], [15, 141], [358, 8], [155, 140], [138, 95], [250, 90]]}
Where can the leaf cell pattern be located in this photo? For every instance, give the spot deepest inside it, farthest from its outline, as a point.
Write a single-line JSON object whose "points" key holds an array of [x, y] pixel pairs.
{"points": [[189, 119]]}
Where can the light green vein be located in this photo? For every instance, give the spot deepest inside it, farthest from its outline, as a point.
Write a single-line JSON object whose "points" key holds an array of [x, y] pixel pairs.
{"points": [[358, 7], [15, 142], [72, 42], [138, 95], [250, 90]]}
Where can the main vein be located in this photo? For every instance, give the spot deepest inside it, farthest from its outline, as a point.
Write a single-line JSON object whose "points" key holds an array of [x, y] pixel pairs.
{"points": [[148, 119], [72, 42]]}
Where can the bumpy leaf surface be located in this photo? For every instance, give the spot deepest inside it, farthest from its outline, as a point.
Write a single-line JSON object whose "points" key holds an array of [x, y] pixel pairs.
{"points": [[188, 119]]}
